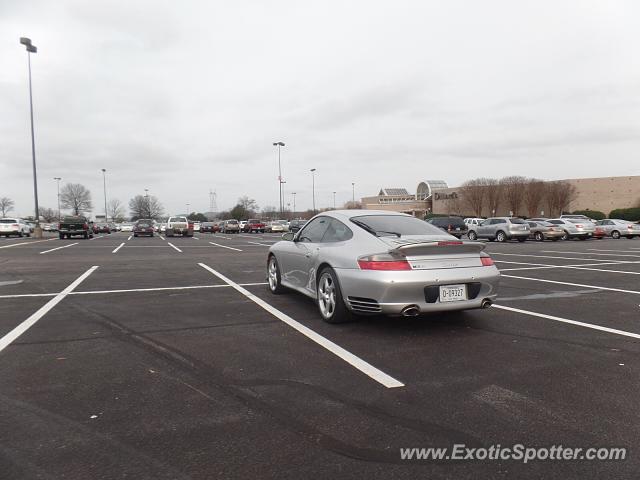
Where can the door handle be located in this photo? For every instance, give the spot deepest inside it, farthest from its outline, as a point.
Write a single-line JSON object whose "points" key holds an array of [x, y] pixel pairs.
{"points": [[307, 254]]}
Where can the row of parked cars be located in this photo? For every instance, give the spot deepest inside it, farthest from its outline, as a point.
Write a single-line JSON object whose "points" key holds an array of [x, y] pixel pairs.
{"points": [[566, 227], [252, 225]]}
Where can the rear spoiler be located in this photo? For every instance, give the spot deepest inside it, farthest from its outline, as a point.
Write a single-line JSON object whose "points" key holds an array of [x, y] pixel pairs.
{"points": [[442, 247]]}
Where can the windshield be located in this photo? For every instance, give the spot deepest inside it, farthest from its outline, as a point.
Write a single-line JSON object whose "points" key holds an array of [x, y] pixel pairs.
{"points": [[385, 225]]}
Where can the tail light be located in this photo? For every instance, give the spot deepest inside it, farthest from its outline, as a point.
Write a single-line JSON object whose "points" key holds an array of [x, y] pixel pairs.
{"points": [[486, 261], [15, 225], [579, 225], [629, 227], [383, 262]]}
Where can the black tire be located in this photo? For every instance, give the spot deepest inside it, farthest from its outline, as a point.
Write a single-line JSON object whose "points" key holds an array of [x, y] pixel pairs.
{"points": [[61, 235], [338, 313], [135, 235], [522, 239], [501, 236], [583, 238], [20, 234], [615, 234], [86, 236], [538, 236], [274, 279], [565, 236], [472, 235]]}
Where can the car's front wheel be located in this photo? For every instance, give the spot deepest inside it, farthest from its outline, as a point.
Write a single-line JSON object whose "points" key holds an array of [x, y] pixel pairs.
{"points": [[565, 236], [274, 277], [329, 298], [501, 237], [615, 234], [472, 235], [539, 236]]}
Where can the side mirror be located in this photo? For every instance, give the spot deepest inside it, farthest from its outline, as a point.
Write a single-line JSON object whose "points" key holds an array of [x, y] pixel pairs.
{"points": [[289, 236]]}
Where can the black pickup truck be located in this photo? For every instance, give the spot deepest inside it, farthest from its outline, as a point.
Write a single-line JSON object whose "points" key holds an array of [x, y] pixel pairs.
{"points": [[75, 226]]}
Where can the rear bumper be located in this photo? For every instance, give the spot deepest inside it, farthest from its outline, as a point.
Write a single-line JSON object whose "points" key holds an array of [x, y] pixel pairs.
{"points": [[390, 292]]}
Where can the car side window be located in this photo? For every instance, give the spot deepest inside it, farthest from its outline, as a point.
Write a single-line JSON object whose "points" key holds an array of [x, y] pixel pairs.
{"points": [[555, 222], [336, 232], [314, 230]]}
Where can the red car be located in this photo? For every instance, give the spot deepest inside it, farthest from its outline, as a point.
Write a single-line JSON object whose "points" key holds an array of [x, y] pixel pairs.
{"points": [[254, 225], [208, 227], [143, 227], [101, 228], [599, 233]]}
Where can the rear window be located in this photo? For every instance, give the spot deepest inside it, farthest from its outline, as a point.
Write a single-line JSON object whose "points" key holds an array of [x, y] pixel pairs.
{"points": [[579, 220], [384, 225], [178, 219], [8, 220], [233, 222], [518, 221], [143, 224], [446, 221], [73, 220]]}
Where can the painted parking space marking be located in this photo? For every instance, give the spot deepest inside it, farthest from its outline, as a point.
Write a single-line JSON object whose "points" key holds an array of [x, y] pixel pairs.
{"points": [[28, 243], [58, 248], [130, 290], [176, 248], [595, 287], [42, 311], [225, 246], [552, 256], [118, 248], [591, 253], [353, 360], [585, 266], [566, 320]]}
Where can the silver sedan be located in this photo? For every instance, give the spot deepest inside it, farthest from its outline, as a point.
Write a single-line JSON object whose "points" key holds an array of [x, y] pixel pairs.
{"points": [[620, 228], [376, 262]]}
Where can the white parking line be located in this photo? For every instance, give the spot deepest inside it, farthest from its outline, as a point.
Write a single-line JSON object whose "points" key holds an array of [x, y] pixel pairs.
{"points": [[93, 238], [130, 290], [550, 256], [118, 247], [28, 243], [161, 237], [596, 287], [353, 360], [566, 320], [171, 244], [224, 246], [606, 250], [195, 238], [575, 267], [29, 322], [58, 248], [130, 237], [599, 254], [261, 244]]}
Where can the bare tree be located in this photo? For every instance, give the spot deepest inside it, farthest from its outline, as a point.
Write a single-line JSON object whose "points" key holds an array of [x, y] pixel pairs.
{"points": [[559, 195], [474, 194], [493, 189], [116, 210], [48, 214], [145, 206], [6, 205], [352, 205], [76, 198], [514, 191], [534, 193]]}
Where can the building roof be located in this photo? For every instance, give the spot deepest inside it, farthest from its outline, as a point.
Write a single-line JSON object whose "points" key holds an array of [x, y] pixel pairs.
{"points": [[393, 192]]}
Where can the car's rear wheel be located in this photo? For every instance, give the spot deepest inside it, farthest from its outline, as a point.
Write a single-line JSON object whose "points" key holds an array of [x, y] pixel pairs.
{"points": [[629, 237], [472, 235], [330, 302], [501, 237], [615, 234], [565, 236], [273, 276], [538, 236]]}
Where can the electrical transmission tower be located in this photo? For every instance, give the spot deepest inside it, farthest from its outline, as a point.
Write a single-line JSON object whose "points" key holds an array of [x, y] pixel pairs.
{"points": [[213, 206]]}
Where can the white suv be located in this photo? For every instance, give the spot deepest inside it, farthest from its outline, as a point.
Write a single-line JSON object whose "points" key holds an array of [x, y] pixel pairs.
{"points": [[14, 226]]}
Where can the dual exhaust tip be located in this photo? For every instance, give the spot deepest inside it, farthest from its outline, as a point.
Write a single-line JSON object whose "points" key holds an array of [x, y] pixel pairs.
{"points": [[414, 310]]}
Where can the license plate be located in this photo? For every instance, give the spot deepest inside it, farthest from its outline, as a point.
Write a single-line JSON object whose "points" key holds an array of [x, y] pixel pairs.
{"points": [[453, 293]]}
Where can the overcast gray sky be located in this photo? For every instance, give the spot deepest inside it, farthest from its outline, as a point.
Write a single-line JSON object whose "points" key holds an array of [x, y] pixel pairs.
{"points": [[183, 97]]}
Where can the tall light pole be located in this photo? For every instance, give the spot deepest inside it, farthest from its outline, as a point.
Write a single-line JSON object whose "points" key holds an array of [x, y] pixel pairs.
{"points": [[32, 49], [294, 203], [57, 179], [188, 204], [334, 200], [104, 187], [353, 194], [279, 145], [313, 188], [146, 202]]}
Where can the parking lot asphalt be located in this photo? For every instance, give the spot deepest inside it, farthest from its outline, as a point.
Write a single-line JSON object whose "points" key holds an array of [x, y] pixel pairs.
{"points": [[168, 358]]}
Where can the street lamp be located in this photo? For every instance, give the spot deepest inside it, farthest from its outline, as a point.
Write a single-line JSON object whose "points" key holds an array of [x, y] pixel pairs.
{"points": [[188, 204], [32, 49], [334, 200], [353, 194], [280, 144], [294, 203], [313, 188], [57, 179], [104, 187]]}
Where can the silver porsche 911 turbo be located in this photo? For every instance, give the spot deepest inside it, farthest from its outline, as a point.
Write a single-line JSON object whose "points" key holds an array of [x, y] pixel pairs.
{"points": [[377, 262]]}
